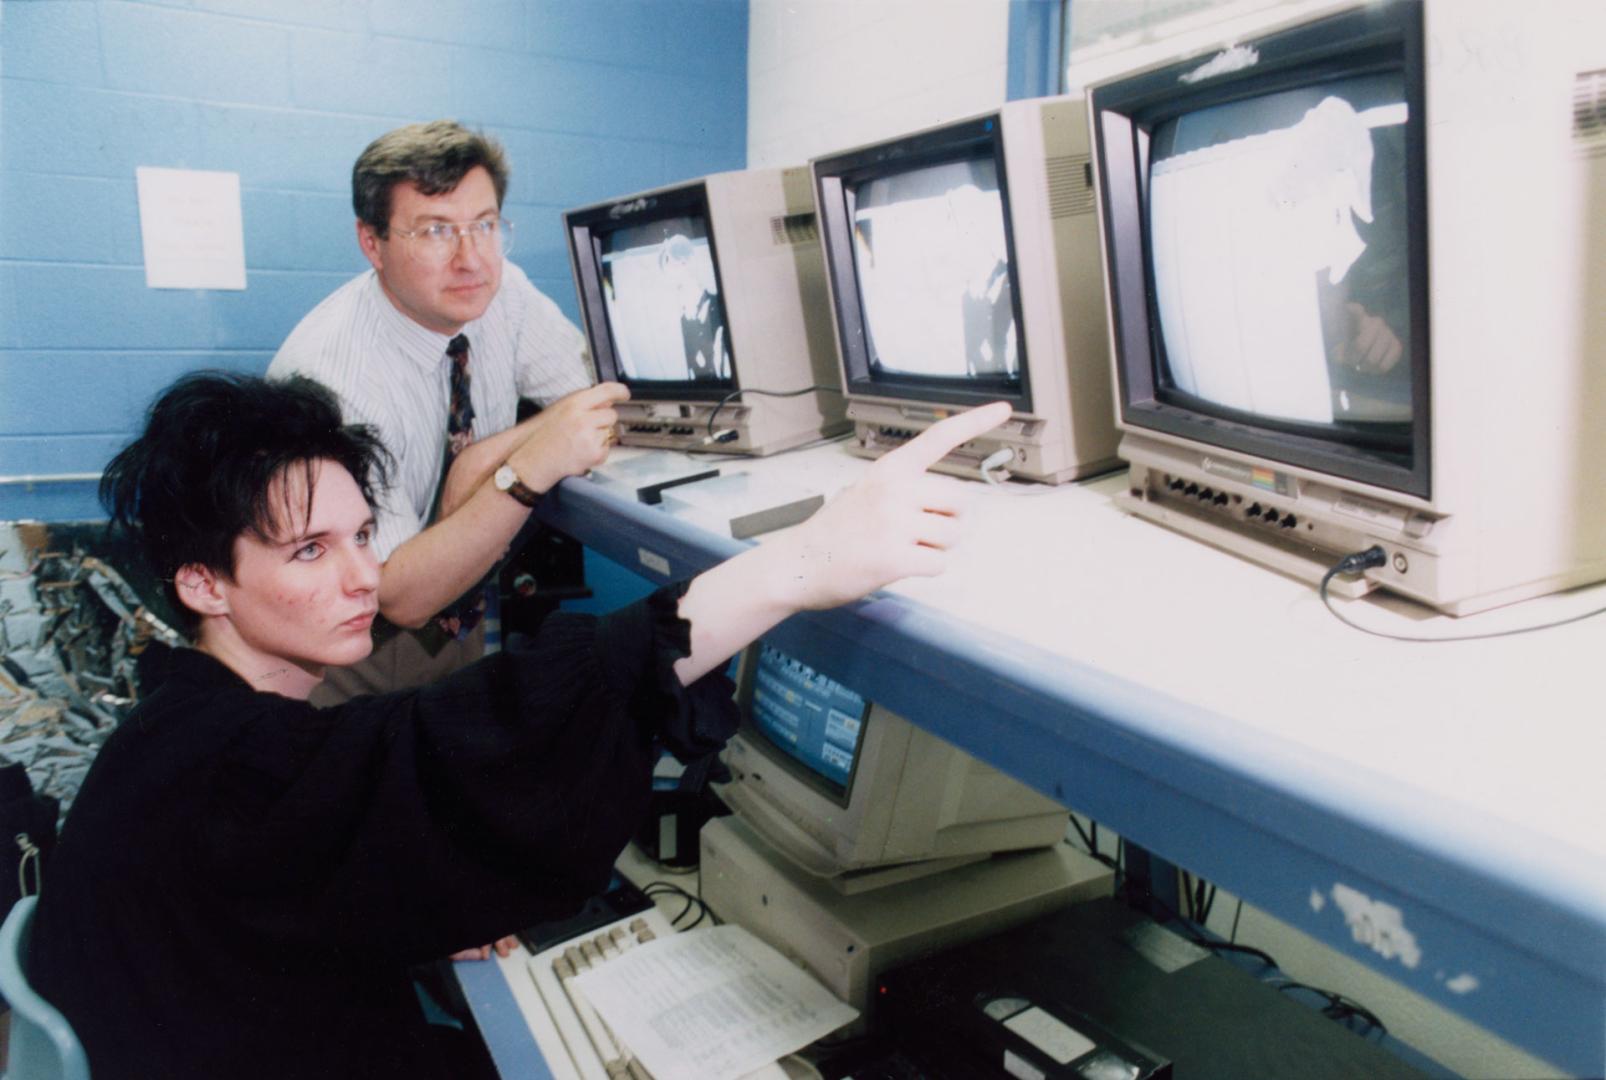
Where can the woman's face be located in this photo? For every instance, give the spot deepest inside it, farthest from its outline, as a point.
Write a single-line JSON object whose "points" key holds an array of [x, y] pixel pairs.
{"points": [[309, 595]]}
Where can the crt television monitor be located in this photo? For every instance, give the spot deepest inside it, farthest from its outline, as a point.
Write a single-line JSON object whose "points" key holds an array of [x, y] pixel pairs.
{"points": [[1355, 295], [964, 268], [853, 793], [699, 295]]}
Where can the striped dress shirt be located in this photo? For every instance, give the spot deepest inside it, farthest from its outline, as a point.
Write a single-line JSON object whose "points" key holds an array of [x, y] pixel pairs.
{"points": [[393, 374]]}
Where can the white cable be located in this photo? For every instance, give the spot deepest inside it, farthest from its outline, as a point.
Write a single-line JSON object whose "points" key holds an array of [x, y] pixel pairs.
{"points": [[990, 472]]}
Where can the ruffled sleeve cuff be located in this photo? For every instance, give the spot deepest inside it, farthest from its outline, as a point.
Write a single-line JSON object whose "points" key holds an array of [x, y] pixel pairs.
{"points": [[637, 648]]}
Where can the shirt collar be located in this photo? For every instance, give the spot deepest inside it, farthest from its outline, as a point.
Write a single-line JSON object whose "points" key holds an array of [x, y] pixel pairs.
{"points": [[159, 665], [419, 344]]}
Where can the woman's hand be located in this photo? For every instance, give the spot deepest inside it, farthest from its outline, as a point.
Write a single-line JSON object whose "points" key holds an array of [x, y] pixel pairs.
{"points": [[894, 523], [502, 947]]}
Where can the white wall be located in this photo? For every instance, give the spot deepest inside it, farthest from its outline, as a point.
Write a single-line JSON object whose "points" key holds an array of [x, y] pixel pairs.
{"points": [[825, 75], [1109, 37]]}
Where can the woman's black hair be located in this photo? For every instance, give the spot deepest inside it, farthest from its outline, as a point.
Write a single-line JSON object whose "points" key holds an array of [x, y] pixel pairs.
{"points": [[202, 473]]}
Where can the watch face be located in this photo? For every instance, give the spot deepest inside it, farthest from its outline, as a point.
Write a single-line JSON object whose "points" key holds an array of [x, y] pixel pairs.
{"points": [[506, 480]]}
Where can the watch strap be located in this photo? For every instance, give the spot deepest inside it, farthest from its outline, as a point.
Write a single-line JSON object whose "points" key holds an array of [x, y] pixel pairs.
{"points": [[519, 490]]}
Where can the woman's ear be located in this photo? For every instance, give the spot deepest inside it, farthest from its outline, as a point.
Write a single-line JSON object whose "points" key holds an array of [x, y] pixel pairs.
{"points": [[199, 590]]}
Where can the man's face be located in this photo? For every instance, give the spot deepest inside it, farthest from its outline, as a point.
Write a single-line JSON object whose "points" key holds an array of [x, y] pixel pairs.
{"points": [[308, 596], [443, 295]]}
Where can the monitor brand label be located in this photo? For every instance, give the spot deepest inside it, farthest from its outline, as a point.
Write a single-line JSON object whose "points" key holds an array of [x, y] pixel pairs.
{"points": [[1253, 476], [634, 206]]}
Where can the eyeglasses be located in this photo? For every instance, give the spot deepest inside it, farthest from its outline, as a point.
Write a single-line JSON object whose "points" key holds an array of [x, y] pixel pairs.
{"points": [[436, 243]]}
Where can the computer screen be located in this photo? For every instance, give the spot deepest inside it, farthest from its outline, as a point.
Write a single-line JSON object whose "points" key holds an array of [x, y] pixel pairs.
{"points": [[1327, 243], [933, 273], [964, 268], [812, 717], [1279, 233], [848, 791], [702, 296], [661, 292]]}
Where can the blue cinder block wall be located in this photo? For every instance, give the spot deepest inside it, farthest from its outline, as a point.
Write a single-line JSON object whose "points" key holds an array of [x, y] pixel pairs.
{"points": [[592, 98]]}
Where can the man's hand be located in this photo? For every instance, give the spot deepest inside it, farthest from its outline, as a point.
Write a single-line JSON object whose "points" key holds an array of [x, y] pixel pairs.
{"points": [[569, 437], [1371, 347], [477, 522], [896, 522]]}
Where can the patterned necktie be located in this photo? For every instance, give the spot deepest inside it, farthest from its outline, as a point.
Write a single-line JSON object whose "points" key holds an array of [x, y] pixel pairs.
{"points": [[460, 410], [464, 615]]}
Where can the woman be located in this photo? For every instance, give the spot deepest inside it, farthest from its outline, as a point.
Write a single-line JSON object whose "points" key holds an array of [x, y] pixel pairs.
{"points": [[245, 880]]}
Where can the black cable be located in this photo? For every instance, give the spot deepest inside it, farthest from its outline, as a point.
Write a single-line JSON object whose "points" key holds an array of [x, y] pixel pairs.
{"points": [[726, 400], [1091, 843], [1338, 1006], [1236, 915], [1087, 841], [1199, 896], [1375, 556], [1204, 942], [655, 887], [1228, 946]]}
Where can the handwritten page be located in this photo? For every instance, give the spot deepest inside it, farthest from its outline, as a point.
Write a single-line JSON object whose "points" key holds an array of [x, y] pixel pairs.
{"points": [[710, 1004]]}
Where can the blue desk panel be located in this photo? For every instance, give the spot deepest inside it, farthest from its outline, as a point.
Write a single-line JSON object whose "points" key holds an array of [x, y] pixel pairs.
{"points": [[501, 1023]]}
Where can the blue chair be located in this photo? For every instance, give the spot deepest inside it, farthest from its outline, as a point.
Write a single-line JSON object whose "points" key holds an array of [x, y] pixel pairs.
{"points": [[43, 1046]]}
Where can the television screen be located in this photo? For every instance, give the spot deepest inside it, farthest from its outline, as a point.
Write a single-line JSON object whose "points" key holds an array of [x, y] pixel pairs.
{"points": [[933, 276], [814, 719], [661, 295], [1278, 234], [964, 268]]}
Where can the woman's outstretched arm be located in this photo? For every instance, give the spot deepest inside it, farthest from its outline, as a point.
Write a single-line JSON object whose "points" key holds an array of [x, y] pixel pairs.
{"points": [[893, 523]]}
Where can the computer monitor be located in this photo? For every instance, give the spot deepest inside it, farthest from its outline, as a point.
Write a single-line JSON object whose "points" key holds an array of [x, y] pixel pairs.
{"points": [[1356, 294], [858, 795], [696, 296], [964, 268]]}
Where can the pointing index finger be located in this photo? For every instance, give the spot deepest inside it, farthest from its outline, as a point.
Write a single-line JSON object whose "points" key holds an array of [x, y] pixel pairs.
{"points": [[933, 444]]}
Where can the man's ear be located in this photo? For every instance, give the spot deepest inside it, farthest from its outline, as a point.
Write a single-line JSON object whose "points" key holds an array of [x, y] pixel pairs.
{"points": [[199, 590], [368, 240]]}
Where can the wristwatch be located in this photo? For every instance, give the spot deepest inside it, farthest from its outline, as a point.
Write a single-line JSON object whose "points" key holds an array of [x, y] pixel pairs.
{"points": [[507, 480]]}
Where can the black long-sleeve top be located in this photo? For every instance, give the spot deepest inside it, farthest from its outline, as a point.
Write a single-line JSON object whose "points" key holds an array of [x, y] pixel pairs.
{"points": [[244, 879]]}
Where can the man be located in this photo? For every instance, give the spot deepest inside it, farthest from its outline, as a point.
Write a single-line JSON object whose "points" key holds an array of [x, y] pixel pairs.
{"points": [[245, 880], [432, 348]]}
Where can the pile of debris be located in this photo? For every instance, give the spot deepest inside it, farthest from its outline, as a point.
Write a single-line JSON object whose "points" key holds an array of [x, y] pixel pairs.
{"points": [[71, 630]]}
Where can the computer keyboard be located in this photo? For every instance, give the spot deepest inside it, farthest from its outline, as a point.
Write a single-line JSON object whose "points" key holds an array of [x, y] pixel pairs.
{"points": [[584, 1047]]}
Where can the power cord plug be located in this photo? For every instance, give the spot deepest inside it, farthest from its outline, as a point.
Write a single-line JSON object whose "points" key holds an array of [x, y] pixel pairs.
{"points": [[1357, 561]]}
